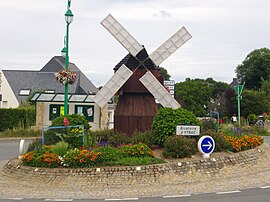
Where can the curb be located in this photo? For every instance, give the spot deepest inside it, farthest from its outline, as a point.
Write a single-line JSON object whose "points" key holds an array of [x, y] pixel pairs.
{"points": [[17, 138]]}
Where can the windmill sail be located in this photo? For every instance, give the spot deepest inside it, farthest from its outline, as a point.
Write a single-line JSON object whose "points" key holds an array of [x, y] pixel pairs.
{"points": [[122, 35], [170, 46], [158, 91], [112, 86]]}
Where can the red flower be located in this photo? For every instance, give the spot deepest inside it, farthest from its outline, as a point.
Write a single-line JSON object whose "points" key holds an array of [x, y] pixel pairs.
{"points": [[66, 122]]}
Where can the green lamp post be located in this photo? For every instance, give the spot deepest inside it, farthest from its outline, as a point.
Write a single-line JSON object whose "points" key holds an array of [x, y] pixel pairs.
{"points": [[64, 52], [239, 89]]}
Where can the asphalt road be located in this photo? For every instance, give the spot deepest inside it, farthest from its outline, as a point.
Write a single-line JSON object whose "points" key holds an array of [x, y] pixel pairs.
{"points": [[10, 149]]}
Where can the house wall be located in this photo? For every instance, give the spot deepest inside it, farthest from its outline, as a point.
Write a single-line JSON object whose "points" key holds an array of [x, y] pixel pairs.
{"points": [[9, 100], [43, 109]]}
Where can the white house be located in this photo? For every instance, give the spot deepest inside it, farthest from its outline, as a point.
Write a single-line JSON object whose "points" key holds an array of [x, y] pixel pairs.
{"points": [[17, 85]]}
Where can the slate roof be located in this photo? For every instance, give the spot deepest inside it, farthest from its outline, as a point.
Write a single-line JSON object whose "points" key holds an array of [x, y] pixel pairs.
{"points": [[234, 83], [44, 79], [132, 63]]}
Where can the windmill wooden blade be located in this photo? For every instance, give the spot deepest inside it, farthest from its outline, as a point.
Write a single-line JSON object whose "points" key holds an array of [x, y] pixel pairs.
{"points": [[158, 91], [122, 35], [170, 46], [113, 85]]}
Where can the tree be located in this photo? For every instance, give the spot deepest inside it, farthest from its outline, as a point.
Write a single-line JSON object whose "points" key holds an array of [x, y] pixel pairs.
{"points": [[254, 68], [253, 102], [164, 73], [193, 95]]}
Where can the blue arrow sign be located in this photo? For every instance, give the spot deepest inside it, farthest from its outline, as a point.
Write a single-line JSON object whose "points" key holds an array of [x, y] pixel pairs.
{"points": [[206, 145]]}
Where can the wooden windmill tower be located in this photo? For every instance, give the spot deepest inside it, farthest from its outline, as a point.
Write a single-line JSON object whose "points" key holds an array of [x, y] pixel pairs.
{"points": [[137, 79]]}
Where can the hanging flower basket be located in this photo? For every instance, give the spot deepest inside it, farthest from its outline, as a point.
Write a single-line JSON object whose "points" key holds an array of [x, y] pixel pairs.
{"points": [[65, 76]]}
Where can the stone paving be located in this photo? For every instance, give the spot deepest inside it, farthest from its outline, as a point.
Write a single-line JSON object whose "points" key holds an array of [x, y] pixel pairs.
{"points": [[237, 171]]}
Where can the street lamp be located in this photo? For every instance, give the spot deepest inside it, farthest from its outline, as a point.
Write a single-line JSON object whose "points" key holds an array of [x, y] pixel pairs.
{"points": [[64, 53]]}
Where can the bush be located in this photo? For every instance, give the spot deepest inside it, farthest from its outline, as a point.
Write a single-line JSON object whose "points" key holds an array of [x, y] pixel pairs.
{"points": [[252, 118], [51, 137], [73, 136], [179, 147], [35, 144], [209, 124], [118, 139], [73, 119], [166, 120], [101, 136], [16, 118], [220, 140], [147, 138], [60, 148]]}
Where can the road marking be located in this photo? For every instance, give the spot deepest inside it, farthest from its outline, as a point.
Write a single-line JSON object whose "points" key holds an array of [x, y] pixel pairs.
{"points": [[122, 199], [177, 196], [265, 187], [16, 199], [58, 199], [228, 192]]}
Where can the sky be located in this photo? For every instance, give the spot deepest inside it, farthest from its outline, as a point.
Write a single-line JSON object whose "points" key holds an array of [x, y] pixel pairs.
{"points": [[223, 33]]}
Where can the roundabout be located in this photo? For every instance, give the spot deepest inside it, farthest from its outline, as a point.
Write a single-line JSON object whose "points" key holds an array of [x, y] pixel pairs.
{"points": [[222, 173]]}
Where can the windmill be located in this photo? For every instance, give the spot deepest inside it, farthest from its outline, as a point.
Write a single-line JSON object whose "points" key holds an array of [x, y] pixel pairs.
{"points": [[137, 80]]}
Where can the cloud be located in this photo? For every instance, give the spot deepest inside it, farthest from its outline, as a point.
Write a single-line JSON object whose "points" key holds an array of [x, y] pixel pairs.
{"points": [[163, 14]]}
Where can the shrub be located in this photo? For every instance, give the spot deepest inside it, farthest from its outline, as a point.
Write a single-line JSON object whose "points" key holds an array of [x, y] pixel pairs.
{"points": [[101, 135], [60, 148], [73, 136], [209, 124], [220, 140], [179, 147], [166, 120], [19, 117], [147, 138], [252, 118], [35, 144], [118, 139], [51, 137], [73, 119], [42, 157]]}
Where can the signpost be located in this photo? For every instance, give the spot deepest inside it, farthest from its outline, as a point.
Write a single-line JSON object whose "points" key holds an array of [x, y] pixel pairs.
{"points": [[206, 145], [239, 89], [169, 84]]}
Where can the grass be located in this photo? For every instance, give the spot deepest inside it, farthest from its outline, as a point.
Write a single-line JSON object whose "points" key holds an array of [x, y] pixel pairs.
{"points": [[20, 132], [134, 161]]}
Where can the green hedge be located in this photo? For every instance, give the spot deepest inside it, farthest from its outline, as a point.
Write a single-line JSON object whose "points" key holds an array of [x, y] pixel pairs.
{"points": [[18, 117]]}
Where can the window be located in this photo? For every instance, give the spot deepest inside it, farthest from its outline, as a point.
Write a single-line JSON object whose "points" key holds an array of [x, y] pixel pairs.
{"points": [[55, 111], [86, 110], [25, 92]]}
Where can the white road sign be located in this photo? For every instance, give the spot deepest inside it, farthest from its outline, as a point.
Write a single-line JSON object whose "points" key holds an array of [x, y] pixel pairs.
{"points": [[187, 130]]}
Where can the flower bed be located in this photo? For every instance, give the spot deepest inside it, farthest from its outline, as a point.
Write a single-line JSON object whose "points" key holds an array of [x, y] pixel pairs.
{"points": [[99, 156]]}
